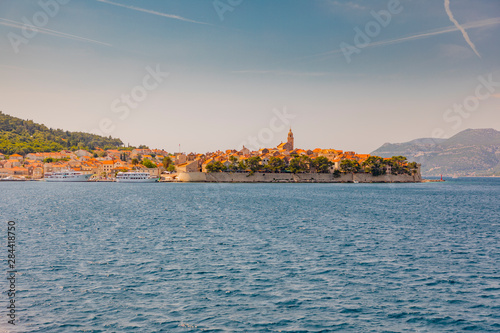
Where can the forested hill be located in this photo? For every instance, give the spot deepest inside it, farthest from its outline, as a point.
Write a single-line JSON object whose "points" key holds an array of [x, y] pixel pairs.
{"points": [[25, 136]]}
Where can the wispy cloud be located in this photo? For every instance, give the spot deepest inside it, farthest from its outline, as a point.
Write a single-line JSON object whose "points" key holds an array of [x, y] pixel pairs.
{"points": [[45, 31], [170, 16], [295, 73], [459, 27], [453, 51], [349, 5], [288, 73], [427, 34], [477, 24]]}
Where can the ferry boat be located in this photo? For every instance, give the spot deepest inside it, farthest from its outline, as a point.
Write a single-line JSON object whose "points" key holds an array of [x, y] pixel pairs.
{"points": [[134, 177], [67, 176]]}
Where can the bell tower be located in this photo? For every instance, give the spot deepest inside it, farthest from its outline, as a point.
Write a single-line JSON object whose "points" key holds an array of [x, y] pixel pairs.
{"points": [[290, 139]]}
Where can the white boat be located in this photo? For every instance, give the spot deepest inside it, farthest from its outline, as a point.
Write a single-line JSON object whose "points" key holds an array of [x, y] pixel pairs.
{"points": [[134, 177], [67, 176]]}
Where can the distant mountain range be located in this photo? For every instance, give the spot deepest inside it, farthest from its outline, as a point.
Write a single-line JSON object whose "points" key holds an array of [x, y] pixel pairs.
{"points": [[473, 152]]}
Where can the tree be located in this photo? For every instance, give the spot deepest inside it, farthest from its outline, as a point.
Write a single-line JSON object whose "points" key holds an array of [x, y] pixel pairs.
{"points": [[276, 164], [171, 168], [299, 164], [401, 160], [148, 164], [375, 165], [234, 163], [215, 166], [412, 168], [52, 160], [121, 170], [322, 164], [398, 165], [242, 165], [348, 166], [24, 136], [294, 165], [135, 161], [211, 167], [167, 161], [253, 163]]}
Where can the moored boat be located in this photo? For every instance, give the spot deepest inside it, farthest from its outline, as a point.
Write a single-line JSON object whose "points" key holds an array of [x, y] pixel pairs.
{"points": [[67, 176], [134, 177]]}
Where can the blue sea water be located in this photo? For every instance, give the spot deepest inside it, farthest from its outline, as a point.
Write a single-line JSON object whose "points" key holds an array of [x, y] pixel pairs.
{"points": [[108, 257]]}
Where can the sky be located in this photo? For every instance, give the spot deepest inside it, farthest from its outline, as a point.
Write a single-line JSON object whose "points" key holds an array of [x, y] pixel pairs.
{"points": [[204, 75]]}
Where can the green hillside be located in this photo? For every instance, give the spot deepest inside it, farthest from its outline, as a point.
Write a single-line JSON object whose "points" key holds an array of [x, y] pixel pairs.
{"points": [[25, 136]]}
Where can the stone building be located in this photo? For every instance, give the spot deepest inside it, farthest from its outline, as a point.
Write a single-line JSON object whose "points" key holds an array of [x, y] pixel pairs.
{"points": [[288, 145]]}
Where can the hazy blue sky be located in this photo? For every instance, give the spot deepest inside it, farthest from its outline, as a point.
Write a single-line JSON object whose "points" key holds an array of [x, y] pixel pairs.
{"points": [[230, 67]]}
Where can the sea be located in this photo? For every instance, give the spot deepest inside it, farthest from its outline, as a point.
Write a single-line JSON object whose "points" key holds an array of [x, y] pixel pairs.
{"points": [[194, 257]]}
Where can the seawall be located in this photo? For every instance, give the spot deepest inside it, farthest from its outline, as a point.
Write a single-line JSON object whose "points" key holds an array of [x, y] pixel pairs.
{"points": [[245, 177]]}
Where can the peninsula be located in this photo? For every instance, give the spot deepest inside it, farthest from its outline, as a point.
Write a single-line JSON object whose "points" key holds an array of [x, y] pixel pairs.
{"points": [[285, 163], [30, 151]]}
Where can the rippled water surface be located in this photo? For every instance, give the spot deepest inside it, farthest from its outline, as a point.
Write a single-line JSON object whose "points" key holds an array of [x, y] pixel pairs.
{"points": [[106, 257]]}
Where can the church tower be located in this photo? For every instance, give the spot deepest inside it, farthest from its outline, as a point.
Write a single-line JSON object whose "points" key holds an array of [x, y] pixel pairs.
{"points": [[289, 141], [288, 145]]}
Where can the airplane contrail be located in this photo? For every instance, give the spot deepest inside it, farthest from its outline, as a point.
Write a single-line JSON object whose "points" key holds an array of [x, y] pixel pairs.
{"points": [[459, 27], [20, 25], [426, 34], [171, 16], [421, 35]]}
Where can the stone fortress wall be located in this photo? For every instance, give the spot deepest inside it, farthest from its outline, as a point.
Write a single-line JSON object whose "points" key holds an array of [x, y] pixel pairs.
{"points": [[245, 177]]}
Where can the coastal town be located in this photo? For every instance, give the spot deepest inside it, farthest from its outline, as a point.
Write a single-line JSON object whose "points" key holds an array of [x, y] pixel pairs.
{"points": [[105, 165]]}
